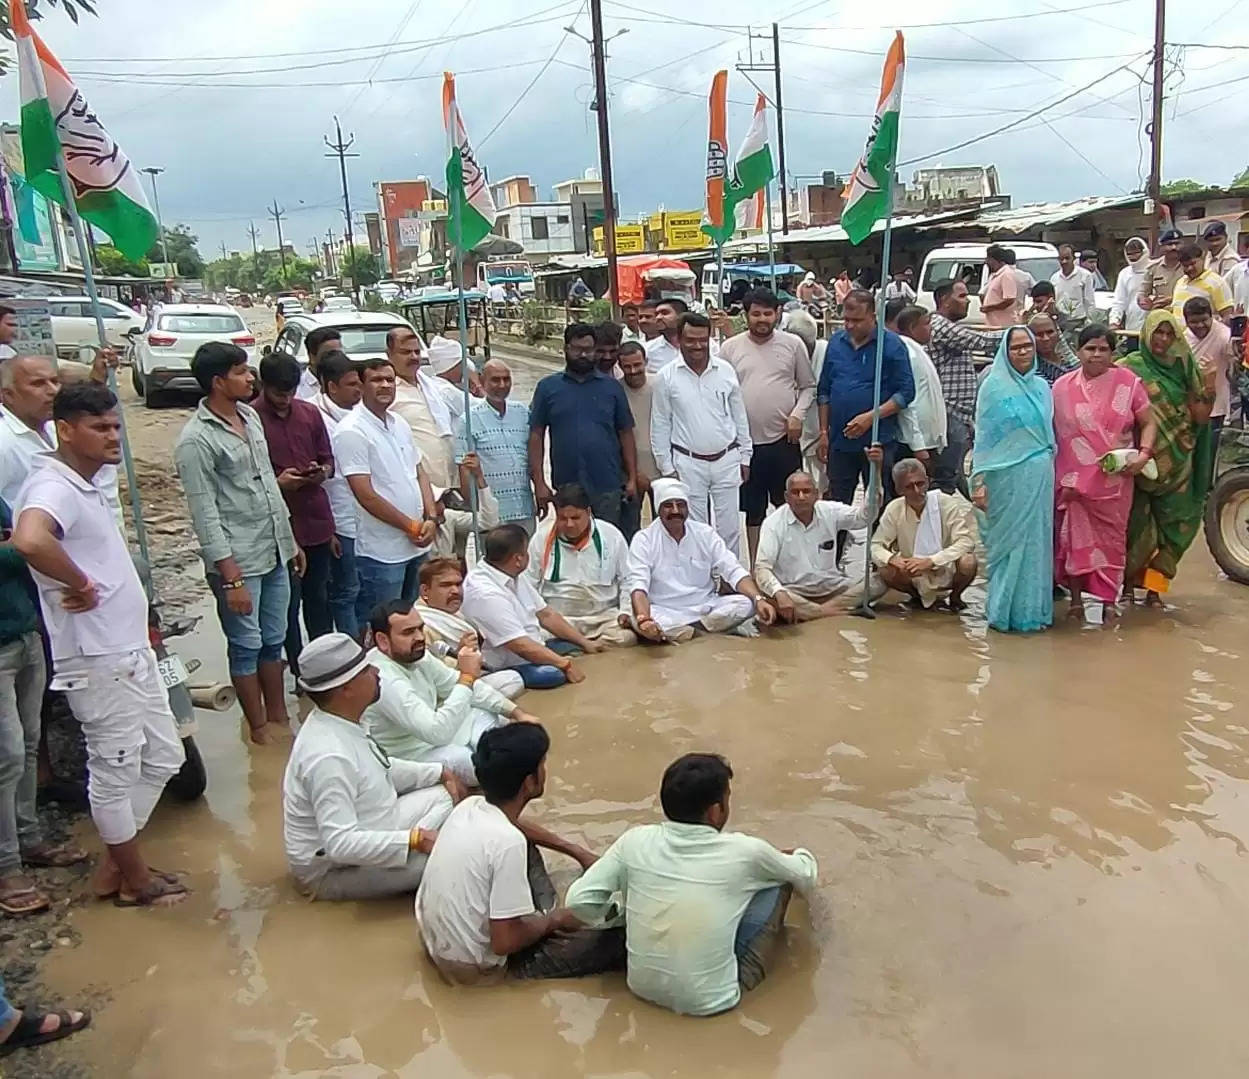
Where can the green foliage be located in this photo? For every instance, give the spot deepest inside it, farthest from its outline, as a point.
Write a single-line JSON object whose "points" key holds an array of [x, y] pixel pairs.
{"points": [[361, 264], [113, 263], [1242, 180], [1181, 187], [598, 311], [533, 320], [299, 273], [180, 241], [70, 7]]}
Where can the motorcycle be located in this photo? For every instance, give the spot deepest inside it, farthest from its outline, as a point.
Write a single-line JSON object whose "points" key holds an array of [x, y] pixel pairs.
{"points": [[192, 778]]}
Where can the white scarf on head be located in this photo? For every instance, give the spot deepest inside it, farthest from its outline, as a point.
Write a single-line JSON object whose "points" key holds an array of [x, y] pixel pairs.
{"points": [[928, 535]]}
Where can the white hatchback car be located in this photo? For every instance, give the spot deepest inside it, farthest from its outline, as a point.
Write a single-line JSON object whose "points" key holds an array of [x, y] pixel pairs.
{"points": [[162, 355], [363, 333], [73, 324]]}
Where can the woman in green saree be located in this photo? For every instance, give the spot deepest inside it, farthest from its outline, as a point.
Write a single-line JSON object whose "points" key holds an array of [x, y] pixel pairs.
{"points": [[1167, 511]]}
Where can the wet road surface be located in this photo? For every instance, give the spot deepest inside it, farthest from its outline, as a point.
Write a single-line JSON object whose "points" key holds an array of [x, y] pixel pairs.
{"points": [[1031, 864]]}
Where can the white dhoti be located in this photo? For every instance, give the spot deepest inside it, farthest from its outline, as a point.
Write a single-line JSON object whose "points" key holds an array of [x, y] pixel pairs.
{"points": [[715, 499], [457, 525], [601, 626], [509, 683], [718, 615]]}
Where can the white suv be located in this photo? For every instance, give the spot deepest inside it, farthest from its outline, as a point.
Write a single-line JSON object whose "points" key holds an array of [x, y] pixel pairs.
{"points": [[162, 355], [73, 324]]}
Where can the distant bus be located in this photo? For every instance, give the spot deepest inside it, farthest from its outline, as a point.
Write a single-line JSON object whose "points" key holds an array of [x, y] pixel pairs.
{"points": [[503, 271]]}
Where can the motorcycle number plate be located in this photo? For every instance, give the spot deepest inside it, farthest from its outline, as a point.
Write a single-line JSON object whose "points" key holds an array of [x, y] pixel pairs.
{"points": [[172, 672]]}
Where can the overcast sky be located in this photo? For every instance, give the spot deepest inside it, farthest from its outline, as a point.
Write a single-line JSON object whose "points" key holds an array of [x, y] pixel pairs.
{"points": [[233, 138]]}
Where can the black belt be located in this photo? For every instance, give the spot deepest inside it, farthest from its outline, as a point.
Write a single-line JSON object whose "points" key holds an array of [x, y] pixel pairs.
{"points": [[707, 456]]}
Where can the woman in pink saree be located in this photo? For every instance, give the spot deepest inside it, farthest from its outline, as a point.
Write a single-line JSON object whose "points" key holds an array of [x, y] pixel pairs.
{"points": [[1098, 408]]}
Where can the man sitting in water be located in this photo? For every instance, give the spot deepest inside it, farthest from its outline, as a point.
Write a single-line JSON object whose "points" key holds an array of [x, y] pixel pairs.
{"points": [[703, 907], [446, 630], [797, 560], [486, 906], [580, 566], [358, 824], [924, 545], [519, 628], [673, 563], [427, 711]]}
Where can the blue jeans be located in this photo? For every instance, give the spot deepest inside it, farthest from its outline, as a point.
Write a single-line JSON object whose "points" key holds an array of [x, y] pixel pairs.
{"points": [[757, 932], [381, 582], [255, 638], [344, 587], [543, 675], [309, 597], [6, 1009]]}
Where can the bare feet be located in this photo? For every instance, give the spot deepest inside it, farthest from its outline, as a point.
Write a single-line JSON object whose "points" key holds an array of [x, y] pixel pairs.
{"points": [[1075, 613], [260, 735]]}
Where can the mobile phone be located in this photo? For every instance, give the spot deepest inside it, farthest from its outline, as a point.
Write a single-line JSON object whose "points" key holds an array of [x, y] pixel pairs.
{"points": [[1237, 325]]}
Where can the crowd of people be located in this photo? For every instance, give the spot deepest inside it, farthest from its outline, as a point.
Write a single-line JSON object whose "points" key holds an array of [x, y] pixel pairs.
{"points": [[332, 510]]}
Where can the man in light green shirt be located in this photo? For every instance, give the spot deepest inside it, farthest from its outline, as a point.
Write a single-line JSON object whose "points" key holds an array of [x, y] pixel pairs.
{"points": [[427, 711], [702, 906]]}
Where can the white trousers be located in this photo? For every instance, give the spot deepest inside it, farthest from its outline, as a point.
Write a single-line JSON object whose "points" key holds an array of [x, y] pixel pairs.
{"points": [[459, 758], [719, 615], [426, 808], [133, 748], [714, 494], [509, 683]]}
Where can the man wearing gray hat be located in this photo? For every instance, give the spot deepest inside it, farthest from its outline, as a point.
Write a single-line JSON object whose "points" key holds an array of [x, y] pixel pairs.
{"points": [[358, 823]]}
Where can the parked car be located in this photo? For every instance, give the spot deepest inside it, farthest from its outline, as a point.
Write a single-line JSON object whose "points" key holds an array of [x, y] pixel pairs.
{"points": [[363, 333], [162, 355], [73, 324], [965, 261], [339, 303]]}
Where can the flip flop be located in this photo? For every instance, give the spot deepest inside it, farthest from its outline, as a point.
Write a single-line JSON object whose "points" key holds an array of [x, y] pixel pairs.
{"points": [[160, 888], [28, 1034], [18, 902], [53, 857], [171, 878]]}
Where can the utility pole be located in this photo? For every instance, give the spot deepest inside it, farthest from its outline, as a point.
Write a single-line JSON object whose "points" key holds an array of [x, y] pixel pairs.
{"points": [[224, 254], [154, 171], [604, 153], [780, 128], [251, 228], [277, 213], [329, 247], [1155, 124], [774, 67], [339, 150]]}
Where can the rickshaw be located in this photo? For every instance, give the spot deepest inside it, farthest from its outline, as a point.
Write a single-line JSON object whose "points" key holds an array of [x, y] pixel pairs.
{"points": [[436, 310]]}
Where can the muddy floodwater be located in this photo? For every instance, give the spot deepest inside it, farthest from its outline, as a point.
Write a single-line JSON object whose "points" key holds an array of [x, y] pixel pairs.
{"points": [[1032, 864]]}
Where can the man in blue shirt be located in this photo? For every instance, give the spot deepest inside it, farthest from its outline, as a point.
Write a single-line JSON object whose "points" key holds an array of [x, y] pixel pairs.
{"points": [[591, 431], [845, 398]]}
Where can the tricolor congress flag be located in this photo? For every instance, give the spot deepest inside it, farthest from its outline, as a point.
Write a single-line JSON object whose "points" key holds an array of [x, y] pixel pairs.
{"points": [[55, 115], [752, 168], [472, 209], [871, 185]]}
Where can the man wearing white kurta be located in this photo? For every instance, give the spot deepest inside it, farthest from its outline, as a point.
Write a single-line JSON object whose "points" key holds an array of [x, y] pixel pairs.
{"points": [[358, 823], [428, 711], [699, 430], [924, 544], [580, 566], [673, 566], [797, 561]]}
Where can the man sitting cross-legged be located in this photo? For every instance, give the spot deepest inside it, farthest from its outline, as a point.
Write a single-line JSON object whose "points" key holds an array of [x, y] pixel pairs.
{"points": [[703, 907], [797, 562], [673, 566], [519, 628], [446, 629], [427, 711], [580, 566], [358, 823], [924, 545], [486, 906]]}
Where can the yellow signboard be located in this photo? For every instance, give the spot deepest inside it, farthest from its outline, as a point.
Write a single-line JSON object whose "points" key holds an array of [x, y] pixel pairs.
{"points": [[683, 230], [630, 240], [655, 223]]}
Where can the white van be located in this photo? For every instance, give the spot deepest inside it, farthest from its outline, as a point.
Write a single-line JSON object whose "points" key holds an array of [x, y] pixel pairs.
{"points": [[965, 261]]}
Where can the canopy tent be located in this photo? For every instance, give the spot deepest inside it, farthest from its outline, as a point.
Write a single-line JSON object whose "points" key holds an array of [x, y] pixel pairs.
{"points": [[636, 271]]}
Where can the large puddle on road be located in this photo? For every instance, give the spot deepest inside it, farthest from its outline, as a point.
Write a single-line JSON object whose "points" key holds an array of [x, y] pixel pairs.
{"points": [[1031, 864]]}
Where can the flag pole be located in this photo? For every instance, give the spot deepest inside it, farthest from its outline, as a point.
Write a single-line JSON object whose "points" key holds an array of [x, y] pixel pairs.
{"points": [[875, 481], [132, 482], [464, 385], [767, 209]]}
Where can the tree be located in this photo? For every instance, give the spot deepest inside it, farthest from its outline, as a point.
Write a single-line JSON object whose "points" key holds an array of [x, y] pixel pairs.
{"points": [[361, 264], [1181, 187], [299, 273], [115, 264], [70, 7], [182, 251], [1243, 179]]}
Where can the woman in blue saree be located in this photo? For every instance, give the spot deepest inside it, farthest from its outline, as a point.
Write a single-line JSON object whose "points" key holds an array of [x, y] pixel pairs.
{"points": [[1013, 481]]}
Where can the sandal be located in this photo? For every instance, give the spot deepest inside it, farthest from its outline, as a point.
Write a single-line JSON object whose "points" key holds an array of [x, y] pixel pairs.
{"points": [[29, 1031], [50, 856], [161, 888], [23, 899]]}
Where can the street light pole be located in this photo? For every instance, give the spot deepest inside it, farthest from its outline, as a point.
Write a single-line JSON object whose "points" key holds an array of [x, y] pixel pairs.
{"points": [[153, 172]]}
